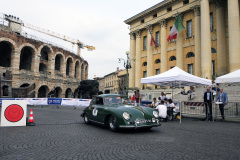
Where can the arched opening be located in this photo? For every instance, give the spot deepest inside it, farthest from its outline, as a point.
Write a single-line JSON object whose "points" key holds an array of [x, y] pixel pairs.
{"points": [[144, 63], [25, 85], [76, 73], [86, 72], [69, 66], [68, 93], [26, 58], [76, 93], [157, 61], [42, 92], [58, 92], [43, 66], [190, 54], [82, 72], [172, 58], [5, 54], [58, 62], [5, 90]]}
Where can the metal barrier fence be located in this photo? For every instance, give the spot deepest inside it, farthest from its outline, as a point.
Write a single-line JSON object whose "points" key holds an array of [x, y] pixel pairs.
{"points": [[198, 109], [231, 110]]}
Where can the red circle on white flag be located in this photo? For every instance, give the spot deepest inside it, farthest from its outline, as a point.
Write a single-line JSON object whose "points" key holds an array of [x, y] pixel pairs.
{"points": [[14, 113]]}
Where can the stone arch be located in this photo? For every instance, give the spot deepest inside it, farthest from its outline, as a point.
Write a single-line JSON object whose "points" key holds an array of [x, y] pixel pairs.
{"points": [[82, 72], [59, 59], [190, 54], [27, 59], [58, 92], [86, 72], [6, 53], [42, 91], [45, 54], [69, 66], [77, 70], [75, 95], [68, 93], [172, 58]]}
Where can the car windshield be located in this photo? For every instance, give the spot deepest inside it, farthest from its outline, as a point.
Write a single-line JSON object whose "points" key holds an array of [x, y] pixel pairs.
{"points": [[112, 100]]}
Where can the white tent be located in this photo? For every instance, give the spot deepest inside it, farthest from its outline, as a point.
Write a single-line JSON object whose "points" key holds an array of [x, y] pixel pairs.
{"points": [[232, 77], [175, 77]]}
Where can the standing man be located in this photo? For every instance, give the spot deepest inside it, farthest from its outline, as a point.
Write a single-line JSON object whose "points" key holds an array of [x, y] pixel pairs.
{"points": [[208, 104], [222, 97], [138, 97]]}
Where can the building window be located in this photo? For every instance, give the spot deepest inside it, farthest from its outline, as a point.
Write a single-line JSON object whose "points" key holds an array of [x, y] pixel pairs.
{"points": [[157, 38], [190, 68], [144, 74], [173, 58], [157, 71], [157, 61], [142, 21], [213, 68], [169, 9], [189, 28], [190, 54], [211, 21], [172, 67], [155, 15], [213, 50], [144, 42], [144, 63]]}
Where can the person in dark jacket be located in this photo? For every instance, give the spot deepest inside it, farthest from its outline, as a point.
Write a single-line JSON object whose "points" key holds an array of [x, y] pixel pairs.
{"points": [[208, 104]]}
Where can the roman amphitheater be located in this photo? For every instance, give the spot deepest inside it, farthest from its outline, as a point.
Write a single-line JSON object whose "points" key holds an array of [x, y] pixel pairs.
{"points": [[33, 68]]}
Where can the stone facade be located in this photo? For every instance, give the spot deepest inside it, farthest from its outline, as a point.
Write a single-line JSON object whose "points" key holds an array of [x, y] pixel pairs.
{"points": [[208, 47], [52, 70]]}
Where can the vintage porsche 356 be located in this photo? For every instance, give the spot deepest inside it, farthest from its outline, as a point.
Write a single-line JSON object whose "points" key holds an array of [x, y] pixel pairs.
{"points": [[110, 110]]}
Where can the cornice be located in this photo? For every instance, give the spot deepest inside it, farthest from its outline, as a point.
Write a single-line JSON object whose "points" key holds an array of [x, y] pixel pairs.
{"points": [[167, 15]]}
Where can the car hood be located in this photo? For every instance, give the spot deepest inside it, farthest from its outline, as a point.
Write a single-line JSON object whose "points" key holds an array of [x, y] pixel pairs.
{"points": [[137, 111]]}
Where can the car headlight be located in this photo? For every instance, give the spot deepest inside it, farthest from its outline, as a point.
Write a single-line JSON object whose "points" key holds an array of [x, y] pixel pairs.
{"points": [[155, 113], [126, 115]]}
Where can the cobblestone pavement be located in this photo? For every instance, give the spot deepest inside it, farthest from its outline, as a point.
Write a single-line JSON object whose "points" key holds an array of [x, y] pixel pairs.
{"points": [[60, 133]]}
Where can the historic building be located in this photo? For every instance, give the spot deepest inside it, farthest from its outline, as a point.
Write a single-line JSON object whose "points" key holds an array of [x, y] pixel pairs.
{"points": [[43, 69], [208, 47]]}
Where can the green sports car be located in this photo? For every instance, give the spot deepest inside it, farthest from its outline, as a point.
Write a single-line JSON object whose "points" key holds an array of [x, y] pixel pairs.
{"points": [[110, 110]]}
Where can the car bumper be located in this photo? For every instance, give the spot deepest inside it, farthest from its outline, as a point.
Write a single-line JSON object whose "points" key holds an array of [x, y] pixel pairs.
{"points": [[139, 126]]}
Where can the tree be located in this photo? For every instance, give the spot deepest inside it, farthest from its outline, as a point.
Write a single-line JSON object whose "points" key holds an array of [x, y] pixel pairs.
{"points": [[88, 88]]}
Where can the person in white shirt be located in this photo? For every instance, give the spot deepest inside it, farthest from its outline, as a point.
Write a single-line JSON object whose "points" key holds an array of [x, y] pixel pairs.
{"points": [[162, 110], [154, 103]]}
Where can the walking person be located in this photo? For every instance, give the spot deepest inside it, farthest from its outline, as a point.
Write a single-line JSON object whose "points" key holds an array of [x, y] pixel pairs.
{"points": [[208, 104], [222, 97]]}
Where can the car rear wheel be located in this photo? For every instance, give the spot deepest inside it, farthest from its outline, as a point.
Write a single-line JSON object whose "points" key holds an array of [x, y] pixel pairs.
{"points": [[85, 118], [112, 123]]}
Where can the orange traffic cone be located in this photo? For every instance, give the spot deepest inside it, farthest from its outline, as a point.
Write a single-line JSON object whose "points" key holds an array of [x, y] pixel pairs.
{"points": [[31, 120]]}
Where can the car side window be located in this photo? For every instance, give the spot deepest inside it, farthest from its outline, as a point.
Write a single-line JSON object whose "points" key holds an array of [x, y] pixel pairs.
{"points": [[99, 101]]}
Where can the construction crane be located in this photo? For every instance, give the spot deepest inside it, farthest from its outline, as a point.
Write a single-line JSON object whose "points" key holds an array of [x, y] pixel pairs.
{"points": [[16, 25]]}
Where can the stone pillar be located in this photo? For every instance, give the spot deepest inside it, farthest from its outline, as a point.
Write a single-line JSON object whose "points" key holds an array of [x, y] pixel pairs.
{"points": [[132, 57], [197, 41], [179, 49], [234, 35], [163, 45], [138, 60], [221, 41], [149, 54], [206, 55], [15, 61]]}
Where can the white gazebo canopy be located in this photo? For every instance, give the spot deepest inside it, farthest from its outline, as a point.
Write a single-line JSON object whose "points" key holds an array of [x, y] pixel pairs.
{"points": [[176, 77], [232, 77]]}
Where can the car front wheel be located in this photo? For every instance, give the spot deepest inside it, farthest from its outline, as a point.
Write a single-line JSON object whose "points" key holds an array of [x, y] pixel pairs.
{"points": [[112, 123], [85, 118]]}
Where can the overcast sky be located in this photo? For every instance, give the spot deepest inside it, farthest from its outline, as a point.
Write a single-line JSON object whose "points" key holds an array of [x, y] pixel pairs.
{"points": [[94, 22]]}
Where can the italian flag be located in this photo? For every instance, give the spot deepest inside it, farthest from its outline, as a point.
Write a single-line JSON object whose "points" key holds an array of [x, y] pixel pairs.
{"points": [[177, 27]]}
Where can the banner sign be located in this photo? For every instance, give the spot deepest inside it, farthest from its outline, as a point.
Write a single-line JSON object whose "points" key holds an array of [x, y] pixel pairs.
{"points": [[14, 113], [53, 101]]}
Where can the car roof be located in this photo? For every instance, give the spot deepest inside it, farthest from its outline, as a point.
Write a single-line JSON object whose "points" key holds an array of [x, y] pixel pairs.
{"points": [[109, 95]]}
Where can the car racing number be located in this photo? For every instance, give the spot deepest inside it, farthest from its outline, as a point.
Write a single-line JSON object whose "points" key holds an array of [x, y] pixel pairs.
{"points": [[95, 111]]}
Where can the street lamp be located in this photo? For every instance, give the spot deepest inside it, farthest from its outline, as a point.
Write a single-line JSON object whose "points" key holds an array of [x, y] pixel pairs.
{"points": [[127, 65]]}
